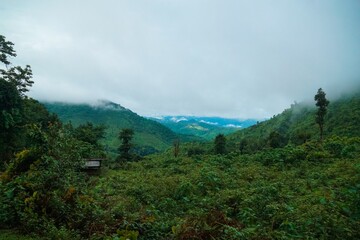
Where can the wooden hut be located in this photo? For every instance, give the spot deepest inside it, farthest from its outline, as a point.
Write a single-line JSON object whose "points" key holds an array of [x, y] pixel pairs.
{"points": [[93, 165]]}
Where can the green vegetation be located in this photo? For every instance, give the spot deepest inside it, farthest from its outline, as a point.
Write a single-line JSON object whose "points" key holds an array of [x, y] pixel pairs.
{"points": [[176, 146], [202, 130], [294, 192], [13, 82], [149, 136], [321, 103], [297, 125], [125, 136], [41, 162], [220, 144], [13, 235], [275, 180]]}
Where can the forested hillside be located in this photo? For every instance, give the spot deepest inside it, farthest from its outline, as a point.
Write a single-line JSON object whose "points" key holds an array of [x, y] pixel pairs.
{"points": [[149, 136], [275, 180], [297, 125]]}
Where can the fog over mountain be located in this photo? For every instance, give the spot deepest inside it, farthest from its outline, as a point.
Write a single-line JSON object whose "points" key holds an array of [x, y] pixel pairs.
{"points": [[231, 58]]}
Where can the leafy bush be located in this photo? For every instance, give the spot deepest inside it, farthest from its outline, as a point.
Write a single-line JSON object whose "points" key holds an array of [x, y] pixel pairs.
{"points": [[43, 185]]}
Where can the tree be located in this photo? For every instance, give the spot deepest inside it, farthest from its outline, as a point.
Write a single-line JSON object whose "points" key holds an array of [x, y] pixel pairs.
{"points": [[10, 118], [18, 76], [125, 137], [51, 173], [220, 144], [300, 136], [176, 145], [243, 144], [89, 133], [321, 103], [14, 82], [276, 140], [6, 50]]}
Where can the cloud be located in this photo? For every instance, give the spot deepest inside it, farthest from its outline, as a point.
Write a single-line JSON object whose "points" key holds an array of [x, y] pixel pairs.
{"points": [[228, 58], [207, 122], [233, 126], [176, 119]]}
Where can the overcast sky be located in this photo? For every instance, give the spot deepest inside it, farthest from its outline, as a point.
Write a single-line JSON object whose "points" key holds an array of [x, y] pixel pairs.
{"points": [[229, 58]]}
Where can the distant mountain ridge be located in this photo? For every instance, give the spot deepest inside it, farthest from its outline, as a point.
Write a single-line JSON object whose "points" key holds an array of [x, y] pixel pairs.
{"points": [[150, 136], [205, 127]]}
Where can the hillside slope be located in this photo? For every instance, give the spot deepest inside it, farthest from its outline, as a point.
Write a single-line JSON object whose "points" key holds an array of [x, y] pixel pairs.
{"points": [[297, 124], [149, 136]]}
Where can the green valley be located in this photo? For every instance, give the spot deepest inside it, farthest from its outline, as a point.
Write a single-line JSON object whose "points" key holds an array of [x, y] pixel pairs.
{"points": [[150, 136], [294, 176], [204, 127]]}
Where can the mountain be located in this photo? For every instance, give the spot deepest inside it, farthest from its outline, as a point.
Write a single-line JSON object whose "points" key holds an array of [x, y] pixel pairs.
{"points": [[149, 137], [297, 124], [205, 127]]}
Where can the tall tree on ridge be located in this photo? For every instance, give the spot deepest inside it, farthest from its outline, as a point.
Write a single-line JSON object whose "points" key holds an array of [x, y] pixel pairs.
{"points": [[321, 103]]}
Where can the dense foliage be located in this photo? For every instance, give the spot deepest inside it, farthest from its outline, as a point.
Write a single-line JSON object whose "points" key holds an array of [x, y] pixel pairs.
{"points": [[310, 191], [125, 136], [14, 81], [297, 125], [149, 136], [41, 161], [205, 127], [220, 144]]}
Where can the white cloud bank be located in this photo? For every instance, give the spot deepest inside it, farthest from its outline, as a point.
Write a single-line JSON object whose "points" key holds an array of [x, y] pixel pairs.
{"points": [[231, 58]]}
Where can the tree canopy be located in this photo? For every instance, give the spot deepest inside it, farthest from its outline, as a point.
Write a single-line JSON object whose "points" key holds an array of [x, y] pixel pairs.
{"points": [[125, 136], [321, 103], [14, 82]]}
